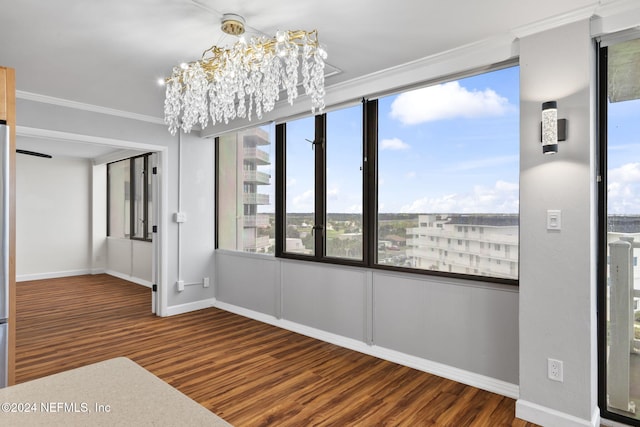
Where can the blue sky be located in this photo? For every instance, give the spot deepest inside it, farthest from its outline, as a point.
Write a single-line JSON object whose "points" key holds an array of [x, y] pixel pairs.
{"points": [[451, 147], [623, 157]]}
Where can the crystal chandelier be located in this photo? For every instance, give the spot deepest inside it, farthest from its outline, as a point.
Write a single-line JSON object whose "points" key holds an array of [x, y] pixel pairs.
{"points": [[233, 82]]}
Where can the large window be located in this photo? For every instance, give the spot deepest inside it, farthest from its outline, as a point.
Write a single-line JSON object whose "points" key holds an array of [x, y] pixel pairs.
{"points": [[448, 176], [424, 180], [300, 218], [619, 288], [129, 198], [244, 186], [323, 188], [344, 177]]}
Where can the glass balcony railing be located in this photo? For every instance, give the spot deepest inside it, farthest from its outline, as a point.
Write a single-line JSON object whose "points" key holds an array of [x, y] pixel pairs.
{"points": [[258, 156], [256, 177], [255, 199], [256, 221]]}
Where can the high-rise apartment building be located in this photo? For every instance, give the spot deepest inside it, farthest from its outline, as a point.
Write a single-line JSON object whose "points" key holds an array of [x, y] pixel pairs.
{"points": [[479, 244], [243, 228]]}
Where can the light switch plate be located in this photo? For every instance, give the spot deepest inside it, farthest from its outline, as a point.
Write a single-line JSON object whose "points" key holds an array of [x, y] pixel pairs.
{"points": [[554, 219]]}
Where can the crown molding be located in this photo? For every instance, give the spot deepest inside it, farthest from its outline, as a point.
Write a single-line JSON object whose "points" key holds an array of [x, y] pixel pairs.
{"points": [[555, 21], [451, 63], [54, 135], [614, 7], [600, 9], [45, 99], [615, 17]]}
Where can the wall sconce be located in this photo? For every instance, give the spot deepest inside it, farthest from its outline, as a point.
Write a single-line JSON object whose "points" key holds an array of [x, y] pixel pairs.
{"points": [[553, 130]]}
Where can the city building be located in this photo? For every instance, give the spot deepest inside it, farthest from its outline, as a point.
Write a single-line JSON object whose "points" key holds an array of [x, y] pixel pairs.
{"points": [[467, 244], [244, 227]]}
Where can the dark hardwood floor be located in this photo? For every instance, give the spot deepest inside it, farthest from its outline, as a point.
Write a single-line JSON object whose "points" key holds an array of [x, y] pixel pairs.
{"points": [[247, 372]]}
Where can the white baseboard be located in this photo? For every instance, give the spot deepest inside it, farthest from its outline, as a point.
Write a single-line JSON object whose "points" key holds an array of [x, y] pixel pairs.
{"points": [[128, 278], [191, 306], [51, 275], [544, 416], [459, 375]]}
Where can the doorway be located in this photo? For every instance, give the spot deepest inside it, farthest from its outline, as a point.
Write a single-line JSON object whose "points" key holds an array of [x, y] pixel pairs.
{"points": [[92, 155]]}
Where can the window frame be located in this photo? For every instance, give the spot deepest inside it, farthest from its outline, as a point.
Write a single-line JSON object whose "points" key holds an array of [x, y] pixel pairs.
{"points": [[320, 194], [219, 185], [147, 230], [369, 190], [602, 120]]}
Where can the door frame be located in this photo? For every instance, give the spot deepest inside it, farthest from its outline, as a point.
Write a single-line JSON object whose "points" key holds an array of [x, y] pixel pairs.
{"points": [[602, 120], [124, 147]]}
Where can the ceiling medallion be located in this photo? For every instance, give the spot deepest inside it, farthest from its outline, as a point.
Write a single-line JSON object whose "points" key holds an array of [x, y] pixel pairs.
{"points": [[227, 83]]}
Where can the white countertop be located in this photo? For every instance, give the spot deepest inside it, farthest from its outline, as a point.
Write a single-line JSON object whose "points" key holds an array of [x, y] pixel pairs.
{"points": [[116, 392]]}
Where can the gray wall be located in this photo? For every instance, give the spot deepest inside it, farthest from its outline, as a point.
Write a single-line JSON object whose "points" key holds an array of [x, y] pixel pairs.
{"points": [[457, 323], [557, 268]]}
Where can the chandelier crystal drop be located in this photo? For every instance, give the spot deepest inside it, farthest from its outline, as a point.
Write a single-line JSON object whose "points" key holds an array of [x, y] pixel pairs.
{"points": [[244, 79]]}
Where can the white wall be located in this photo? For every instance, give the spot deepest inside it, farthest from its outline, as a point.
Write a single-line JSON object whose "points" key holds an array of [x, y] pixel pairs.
{"points": [[53, 219]]}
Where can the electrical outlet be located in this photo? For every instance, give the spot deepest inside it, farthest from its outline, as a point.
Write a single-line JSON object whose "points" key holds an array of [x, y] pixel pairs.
{"points": [[554, 370], [180, 285], [205, 282]]}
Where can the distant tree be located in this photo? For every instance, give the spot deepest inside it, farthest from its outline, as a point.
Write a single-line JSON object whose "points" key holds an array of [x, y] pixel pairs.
{"points": [[292, 231]]}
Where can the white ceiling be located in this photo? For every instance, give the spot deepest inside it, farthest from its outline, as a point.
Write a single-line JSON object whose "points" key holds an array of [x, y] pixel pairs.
{"points": [[111, 53]]}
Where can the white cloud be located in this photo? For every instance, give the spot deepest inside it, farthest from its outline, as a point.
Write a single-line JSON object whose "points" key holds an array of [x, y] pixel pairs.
{"points": [[291, 182], [410, 175], [623, 189], [501, 198], [447, 101], [394, 144], [303, 202], [354, 209], [332, 193]]}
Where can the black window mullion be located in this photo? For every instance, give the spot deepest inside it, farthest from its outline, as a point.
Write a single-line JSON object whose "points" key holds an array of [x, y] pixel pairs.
{"points": [[281, 188], [145, 198], [109, 199], [369, 182], [132, 193], [320, 226], [602, 227], [216, 190], [133, 181]]}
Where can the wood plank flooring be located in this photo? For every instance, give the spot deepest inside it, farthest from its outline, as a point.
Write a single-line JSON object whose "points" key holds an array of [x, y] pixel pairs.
{"points": [[247, 372]]}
